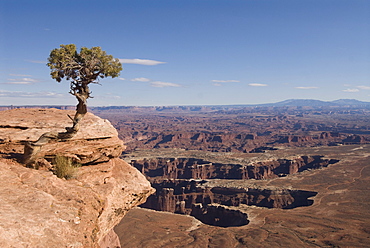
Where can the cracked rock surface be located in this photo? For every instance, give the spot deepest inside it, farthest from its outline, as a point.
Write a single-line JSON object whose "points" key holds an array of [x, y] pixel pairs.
{"points": [[39, 209]]}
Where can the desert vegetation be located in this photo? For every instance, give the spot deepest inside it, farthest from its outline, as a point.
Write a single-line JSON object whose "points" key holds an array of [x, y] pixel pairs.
{"points": [[81, 69], [64, 167]]}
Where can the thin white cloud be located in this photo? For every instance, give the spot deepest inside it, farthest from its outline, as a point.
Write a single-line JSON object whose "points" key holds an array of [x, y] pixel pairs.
{"points": [[141, 61], [351, 90], [225, 81], [5, 93], [108, 96], [19, 82], [22, 81], [121, 78], [363, 87], [141, 79], [306, 87], [217, 84], [160, 84], [257, 85], [19, 75], [29, 80]]}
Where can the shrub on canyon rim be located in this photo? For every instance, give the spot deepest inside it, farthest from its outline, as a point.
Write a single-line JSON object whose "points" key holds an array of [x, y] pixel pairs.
{"points": [[64, 167]]}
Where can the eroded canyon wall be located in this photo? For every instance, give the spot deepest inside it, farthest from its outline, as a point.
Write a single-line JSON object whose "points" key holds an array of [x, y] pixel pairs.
{"points": [[177, 192], [188, 168]]}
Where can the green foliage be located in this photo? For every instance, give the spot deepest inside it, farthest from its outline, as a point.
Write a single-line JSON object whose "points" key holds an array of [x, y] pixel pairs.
{"points": [[84, 67], [64, 167]]}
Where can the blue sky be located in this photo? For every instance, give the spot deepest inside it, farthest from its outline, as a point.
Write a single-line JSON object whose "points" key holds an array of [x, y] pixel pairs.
{"points": [[191, 52]]}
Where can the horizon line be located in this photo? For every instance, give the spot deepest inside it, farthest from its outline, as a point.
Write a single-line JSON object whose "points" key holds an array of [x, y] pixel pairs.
{"points": [[180, 105]]}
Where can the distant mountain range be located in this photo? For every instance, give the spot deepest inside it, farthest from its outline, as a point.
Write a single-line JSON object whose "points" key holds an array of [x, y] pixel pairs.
{"points": [[305, 103], [318, 103], [350, 103], [286, 103]]}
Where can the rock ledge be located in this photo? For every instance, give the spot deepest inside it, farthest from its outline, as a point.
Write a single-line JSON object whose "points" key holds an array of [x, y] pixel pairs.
{"points": [[40, 210]]}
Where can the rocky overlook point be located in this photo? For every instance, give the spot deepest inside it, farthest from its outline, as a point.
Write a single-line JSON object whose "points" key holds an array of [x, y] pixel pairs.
{"points": [[41, 210]]}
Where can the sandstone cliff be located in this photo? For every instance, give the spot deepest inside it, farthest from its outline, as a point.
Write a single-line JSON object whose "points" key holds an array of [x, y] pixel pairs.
{"points": [[41, 210]]}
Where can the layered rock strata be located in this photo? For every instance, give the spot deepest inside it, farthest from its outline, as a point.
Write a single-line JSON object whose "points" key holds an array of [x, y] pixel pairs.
{"points": [[187, 168], [40, 210], [177, 192], [210, 204], [96, 142]]}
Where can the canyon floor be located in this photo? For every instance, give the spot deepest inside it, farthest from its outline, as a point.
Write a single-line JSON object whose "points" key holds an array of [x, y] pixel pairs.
{"points": [[338, 217], [258, 176]]}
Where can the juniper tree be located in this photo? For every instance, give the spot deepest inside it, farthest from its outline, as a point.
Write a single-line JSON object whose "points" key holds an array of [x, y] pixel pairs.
{"points": [[81, 69]]}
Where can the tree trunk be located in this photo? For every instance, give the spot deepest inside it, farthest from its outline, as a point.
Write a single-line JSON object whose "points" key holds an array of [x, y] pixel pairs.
{"points": [[81, 110], [81, 92], [31, 149]]}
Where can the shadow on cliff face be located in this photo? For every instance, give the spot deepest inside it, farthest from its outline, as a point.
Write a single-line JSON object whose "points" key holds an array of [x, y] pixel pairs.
{"points": [[13, 155], [194, 168], [211, 205], [177, 192], [10, 151], [219, 216]]}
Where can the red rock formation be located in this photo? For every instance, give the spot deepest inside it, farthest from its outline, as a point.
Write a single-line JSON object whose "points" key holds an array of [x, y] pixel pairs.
{"points": [[176, 194], [191, 198], [96, 142], [354, 139], [187, 168], [40, 210], [240, 130]]}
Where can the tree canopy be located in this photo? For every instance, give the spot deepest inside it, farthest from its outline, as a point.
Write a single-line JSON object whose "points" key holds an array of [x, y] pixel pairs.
{"points": [[81, 69]]}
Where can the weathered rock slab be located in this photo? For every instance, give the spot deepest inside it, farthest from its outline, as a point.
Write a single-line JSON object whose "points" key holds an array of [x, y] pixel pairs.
{"points": [[40, 210], [30, 124], [97, 140], [84, 151]]}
